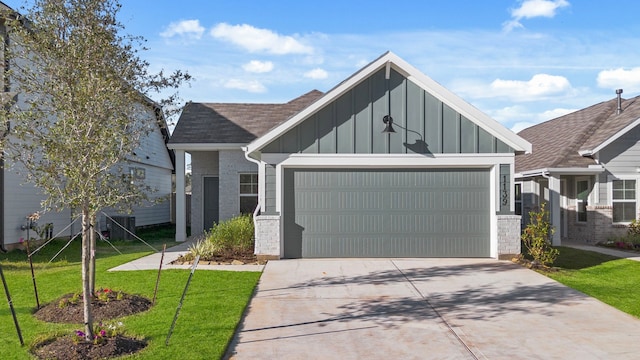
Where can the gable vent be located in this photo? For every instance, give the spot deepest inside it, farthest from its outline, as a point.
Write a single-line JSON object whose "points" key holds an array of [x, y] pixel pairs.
{"points": [[619, 93]]}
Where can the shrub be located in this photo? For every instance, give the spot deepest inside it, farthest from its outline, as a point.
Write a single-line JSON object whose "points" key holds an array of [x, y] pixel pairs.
{"points": [[233, 236], [634, 228], [202, 247], [537, 237]]}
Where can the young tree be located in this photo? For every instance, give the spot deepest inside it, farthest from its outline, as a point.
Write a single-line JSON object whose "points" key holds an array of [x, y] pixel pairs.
{"points": [[80, 85]]}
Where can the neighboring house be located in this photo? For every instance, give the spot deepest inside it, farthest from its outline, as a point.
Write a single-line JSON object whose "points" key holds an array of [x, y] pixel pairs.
{"points": [[586, 166], [153, 162], [331, 184]]}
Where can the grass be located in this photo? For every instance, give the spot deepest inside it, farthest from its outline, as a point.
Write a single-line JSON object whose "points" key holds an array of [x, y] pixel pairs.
{"points": [[611, 280], [211, 311]]}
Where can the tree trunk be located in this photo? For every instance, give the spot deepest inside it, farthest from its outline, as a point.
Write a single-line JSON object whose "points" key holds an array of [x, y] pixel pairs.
{"points": [[87, 293], [92, 251]]}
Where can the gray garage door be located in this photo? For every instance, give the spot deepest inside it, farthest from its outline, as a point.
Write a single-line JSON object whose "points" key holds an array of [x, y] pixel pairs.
{"points": [[386, 213]]}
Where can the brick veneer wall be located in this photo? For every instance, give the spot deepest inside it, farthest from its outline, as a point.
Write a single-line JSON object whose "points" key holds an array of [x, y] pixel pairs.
{"points": [[508, 236], [231, 164], [267, 236], [598, 226]]}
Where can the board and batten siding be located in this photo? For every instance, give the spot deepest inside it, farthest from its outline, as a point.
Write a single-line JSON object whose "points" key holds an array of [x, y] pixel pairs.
{"points": [[620, 158], [352, 124]]}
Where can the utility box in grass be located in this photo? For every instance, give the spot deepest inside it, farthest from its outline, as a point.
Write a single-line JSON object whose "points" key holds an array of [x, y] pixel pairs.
{"points": [[118, 225]]}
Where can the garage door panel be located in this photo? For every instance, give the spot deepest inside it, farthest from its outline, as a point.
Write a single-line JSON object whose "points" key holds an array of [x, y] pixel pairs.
{"points": [[386, 213]]}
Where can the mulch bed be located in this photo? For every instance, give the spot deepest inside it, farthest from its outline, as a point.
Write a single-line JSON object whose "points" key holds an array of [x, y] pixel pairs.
{"points": [[235, 259], [532, 264], [65, 348], [72, 312], [101, 310]]}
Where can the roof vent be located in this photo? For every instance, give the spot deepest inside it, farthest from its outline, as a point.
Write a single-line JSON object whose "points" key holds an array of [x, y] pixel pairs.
{"points": [[619, 92]]}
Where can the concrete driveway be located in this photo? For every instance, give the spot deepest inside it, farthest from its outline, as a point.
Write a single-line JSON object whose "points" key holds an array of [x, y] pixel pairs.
{"points": [[426, 309]]}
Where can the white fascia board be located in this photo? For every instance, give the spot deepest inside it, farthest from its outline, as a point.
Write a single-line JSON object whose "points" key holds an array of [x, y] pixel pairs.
{"points": [[611, 139], [591, 170], [206, 146], [484, 121], [576, 171], [368, 161]]}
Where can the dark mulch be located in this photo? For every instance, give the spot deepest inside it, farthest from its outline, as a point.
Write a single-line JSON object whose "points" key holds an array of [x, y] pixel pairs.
{"points": [[533, 265], [101, 310], [65, 348], [72, 312], [237, 258]]}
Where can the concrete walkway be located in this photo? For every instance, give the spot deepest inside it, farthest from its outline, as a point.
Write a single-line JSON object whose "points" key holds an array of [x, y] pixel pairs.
{"points": [[603, 250], [152, 262], [426, 309]]}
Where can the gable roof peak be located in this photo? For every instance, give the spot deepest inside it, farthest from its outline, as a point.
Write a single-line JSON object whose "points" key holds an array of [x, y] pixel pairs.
{"points": [[392, 61]]}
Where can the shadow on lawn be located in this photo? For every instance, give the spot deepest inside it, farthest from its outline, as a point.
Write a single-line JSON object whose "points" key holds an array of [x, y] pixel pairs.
{"points": [[155, 236], [576, 259]]}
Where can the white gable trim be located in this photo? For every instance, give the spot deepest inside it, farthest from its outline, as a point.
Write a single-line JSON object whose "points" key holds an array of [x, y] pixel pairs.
{"points": [[616, 136], [441, 93]]}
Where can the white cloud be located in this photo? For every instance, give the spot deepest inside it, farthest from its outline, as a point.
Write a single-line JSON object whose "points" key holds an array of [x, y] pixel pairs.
{"points": [[554, 113], [519, 117], [259, 40], [252, 86], [540, 86], [186, 28], [536, 118], [620, 79], [316, 74], [533, 8], [519, 126], [256, 66]]}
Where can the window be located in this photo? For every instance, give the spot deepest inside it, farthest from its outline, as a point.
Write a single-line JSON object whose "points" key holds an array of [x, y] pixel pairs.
{"points": [[582, 199], [518, 198], [624, 200], [248, 193]]}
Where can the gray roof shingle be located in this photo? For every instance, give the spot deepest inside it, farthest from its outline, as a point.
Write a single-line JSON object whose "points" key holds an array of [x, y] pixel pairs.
{"points": [[234, 123], [557, 142]]}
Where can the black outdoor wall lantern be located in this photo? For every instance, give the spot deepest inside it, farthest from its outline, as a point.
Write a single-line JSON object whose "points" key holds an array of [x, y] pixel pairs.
{"points": [[388, 120]]}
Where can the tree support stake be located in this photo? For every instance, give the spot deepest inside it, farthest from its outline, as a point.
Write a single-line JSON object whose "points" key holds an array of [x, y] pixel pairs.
{"points": [[13, 311], [175, 317]]}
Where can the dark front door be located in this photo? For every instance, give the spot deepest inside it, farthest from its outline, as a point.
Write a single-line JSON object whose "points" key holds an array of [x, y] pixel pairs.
{"points": [[210, 198]]}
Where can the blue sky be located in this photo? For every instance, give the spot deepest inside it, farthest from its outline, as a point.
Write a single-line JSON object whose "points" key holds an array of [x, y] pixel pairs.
{"points": [[519, 61]]}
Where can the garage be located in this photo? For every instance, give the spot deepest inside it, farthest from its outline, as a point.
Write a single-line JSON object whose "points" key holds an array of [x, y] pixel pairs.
{"points": [[387, 164], [386, 213]]}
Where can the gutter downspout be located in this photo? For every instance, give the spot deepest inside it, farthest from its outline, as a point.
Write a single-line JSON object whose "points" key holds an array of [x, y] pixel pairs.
{"points": [[256, 212]]}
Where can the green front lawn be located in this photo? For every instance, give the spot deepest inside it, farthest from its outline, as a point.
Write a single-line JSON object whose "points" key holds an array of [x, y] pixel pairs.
{"points": [[211, 311], [609, 279]]}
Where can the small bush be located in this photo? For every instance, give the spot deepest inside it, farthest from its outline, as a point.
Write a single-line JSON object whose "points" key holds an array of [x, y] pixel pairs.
{"points": [[537, 237], [634, 229], [233, 236]]}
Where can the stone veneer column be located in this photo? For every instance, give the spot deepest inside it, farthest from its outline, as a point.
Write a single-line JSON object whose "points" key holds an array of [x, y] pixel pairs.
{"points": [[508, 236], [267, 245]]}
